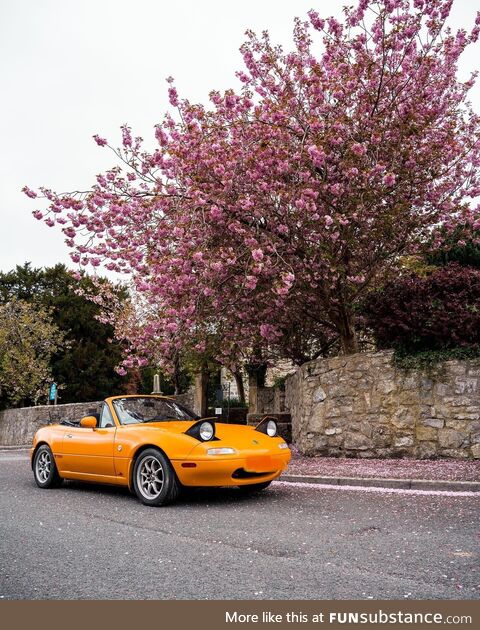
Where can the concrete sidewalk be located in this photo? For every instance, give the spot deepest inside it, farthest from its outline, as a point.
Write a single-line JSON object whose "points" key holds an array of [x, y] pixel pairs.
{"points": [[384, 482], [405, 474]]}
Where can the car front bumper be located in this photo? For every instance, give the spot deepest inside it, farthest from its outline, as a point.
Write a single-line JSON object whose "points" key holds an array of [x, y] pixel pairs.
{"points": [[232, 471]]}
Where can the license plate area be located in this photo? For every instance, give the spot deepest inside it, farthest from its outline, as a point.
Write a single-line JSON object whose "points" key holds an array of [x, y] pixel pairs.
{"points": [[259, 463]]}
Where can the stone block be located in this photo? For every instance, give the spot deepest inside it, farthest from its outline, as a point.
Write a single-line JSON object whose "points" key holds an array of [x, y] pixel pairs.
{"points": [[357, 441], [316, 423], [475, 451], [366, 428], [466, 386], [319, 395], [437, 423], [386, 387], [453, 453], [458, 425], [334, 440], [426, 433], [381, 436], [426, 450], [403, 418], [404, 440], [456, 367], [450, 438]]}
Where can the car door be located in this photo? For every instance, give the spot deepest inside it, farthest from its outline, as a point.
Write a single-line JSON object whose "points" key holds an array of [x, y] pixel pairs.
{"points": [[88, 451]]}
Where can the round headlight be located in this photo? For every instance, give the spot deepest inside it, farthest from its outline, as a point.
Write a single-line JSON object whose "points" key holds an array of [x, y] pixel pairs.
{"points": [[206, 431], [271, 428]]}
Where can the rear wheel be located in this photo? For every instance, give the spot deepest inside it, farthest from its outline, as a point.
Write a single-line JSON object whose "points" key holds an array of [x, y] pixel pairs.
{"points": [[154, 480], [44, 468], [254, 487]]}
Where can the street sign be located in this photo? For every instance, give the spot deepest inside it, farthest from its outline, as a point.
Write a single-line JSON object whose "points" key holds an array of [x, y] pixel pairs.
{"points": [[52, 396]]}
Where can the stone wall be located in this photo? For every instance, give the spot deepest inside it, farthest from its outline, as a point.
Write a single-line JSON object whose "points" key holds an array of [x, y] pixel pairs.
{"points": [[18, 426], [364, 406]]}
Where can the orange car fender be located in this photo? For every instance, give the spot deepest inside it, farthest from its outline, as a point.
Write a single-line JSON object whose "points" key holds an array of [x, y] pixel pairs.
{"points": [[50, 435], [130, 441]]}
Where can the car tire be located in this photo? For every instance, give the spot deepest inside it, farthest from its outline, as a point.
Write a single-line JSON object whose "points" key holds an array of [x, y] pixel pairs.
{"points": [[44, 468], [254, 487], [154, 480]]}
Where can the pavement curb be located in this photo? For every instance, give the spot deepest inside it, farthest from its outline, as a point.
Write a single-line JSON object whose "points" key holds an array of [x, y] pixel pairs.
{"points": [[21, 447], [378, 482]]}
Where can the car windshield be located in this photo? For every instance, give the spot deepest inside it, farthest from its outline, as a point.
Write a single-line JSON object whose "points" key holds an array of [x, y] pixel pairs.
{"points": [[140, 409]]}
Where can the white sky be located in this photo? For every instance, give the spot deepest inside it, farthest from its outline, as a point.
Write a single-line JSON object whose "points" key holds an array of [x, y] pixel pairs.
{"points": [[72, 68]]}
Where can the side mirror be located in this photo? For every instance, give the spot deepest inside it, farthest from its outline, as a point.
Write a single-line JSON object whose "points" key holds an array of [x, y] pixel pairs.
{"points": [[89, 422]]}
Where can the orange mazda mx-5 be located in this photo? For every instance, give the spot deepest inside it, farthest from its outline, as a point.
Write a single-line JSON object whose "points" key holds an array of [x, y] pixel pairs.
{"points": [[154, 445]]}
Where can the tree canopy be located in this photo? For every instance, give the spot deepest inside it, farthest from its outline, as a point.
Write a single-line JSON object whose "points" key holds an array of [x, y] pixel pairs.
{"points": [[264, 219], [84, 368], [28, 339]]}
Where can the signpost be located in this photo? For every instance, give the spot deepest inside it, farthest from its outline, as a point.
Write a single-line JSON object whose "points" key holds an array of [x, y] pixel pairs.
{"points": [[53, 394]]}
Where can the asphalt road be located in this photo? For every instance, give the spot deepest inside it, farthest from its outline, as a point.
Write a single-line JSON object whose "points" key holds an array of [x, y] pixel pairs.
{"points": [[291, 542]]}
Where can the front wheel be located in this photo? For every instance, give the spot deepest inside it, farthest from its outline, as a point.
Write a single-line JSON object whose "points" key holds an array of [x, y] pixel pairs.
{"points": [[254, 487], [44, 468], [154, 480]]}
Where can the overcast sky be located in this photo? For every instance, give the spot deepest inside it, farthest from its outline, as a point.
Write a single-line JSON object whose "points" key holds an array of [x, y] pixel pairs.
{"points": [[72, 68]]}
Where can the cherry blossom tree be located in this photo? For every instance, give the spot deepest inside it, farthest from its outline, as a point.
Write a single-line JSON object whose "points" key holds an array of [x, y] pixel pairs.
{"points": [[259, 223]]}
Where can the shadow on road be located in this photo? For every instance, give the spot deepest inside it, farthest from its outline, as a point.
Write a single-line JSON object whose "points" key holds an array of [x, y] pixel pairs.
{"points": [[188, 496]]}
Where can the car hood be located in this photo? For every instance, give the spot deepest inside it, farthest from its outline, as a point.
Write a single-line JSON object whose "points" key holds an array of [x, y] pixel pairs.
{"points": [[238, 435]]}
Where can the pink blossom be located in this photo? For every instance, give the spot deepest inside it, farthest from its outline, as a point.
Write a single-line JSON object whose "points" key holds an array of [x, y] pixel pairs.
{"points": [[29, 192], [389, 179], [216, 212], [358, 149], [100, 141], [257, 255], [318, 155]]}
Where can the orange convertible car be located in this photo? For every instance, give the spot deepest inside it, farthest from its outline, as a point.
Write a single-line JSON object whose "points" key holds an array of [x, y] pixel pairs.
{"points": [[154, 445]]}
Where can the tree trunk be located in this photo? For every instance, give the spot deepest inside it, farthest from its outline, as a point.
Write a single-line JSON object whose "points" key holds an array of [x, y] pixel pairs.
{"points": [[239, 383], [347, 334], [200, 395]]}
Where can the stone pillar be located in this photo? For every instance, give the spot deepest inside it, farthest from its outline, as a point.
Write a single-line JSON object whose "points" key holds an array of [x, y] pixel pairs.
{"points": [[252, 392], [200, 394], [256, 380]]}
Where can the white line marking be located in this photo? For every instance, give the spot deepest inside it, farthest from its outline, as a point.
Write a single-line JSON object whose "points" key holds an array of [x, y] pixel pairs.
{"points": [[320, 486]]}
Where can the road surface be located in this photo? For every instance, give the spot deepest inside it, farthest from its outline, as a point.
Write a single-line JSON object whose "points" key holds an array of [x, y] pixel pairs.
{"points": [[290, 542]]}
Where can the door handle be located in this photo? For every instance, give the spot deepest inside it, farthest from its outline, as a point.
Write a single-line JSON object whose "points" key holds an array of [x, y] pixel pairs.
{"points": [[69, 435]]}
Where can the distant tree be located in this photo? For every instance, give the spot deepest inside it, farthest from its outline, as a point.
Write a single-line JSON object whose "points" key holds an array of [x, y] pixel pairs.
{"points": [[28, 340], [85, 368], [440, 311], [456, 248]]}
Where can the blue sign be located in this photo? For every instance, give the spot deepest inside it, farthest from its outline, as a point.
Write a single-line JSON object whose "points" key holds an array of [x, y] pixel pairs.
{"points": [[53, 391]]}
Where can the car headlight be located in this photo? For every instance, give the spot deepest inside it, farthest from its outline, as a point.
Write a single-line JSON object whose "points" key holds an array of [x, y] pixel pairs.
{"points": [[271, 428], [203, 430], [206, 431], [221, 451], [283, 445], [267, 426]]}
